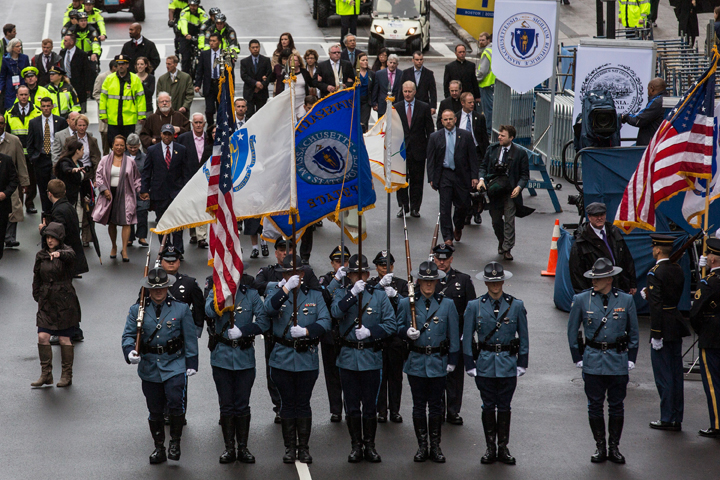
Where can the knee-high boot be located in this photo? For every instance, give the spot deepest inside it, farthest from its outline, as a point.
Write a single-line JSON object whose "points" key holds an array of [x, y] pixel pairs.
{"points": [[304, 426], [242, 431], [597, 425], [157, 430], [490, 427], [176, 428], [227, 423], [67, 353], [46, 377], [421, 432], [369, 430], [354, 425], [503, 436], [615, 428], [434, 428], [289, 438]]}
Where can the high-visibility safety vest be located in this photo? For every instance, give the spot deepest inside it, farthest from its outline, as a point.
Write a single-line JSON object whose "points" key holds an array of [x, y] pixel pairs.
{"points": [[190, 24], [86, 40], [489, 79], [132, 99], [19, 127], [95, 18], [228, 39], [634, 13], [346, 7], [37, 95], [64, 98]]}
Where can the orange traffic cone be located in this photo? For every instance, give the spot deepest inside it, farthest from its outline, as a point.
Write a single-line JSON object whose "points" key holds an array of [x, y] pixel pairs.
{"points": [[552, 259]]}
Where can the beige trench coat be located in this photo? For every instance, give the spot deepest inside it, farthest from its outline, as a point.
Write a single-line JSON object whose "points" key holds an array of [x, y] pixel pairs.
{"points": [[11, 146]]}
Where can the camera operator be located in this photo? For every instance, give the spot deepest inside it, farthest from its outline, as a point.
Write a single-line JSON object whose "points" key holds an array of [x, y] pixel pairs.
{"points": [[504, 172], [648, 119]]}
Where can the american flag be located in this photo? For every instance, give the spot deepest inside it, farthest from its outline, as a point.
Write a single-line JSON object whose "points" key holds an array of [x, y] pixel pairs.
{"points": [[680, 152], [225, 252]]}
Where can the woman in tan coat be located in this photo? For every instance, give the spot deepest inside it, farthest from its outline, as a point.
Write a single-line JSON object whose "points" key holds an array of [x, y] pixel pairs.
{"points": [[10, 145]]}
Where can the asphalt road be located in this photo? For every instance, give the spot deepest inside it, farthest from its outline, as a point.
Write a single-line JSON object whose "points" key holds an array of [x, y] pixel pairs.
{"points": [[97, 428]]}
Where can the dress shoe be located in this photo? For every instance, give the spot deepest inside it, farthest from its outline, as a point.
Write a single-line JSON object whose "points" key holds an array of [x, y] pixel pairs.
{"points": [[31, 210], [449, 242], [11, 244], [142, 243], [672, 426], [335, 418], [264, 250], [278, 420], [382, 418], [477, 219], [710, 433], [468, 220], [508, 256], [414, 213], [193, 240], [500, 249], [458, 234], [202, 244], [454, 419], [305, 261], [396, 418], [255, 253]]}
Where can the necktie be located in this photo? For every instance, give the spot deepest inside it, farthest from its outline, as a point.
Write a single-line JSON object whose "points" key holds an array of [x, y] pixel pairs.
{"points": [[427, 304], [391, 79], [255, 63], [450, 152], [605, 301], [468, 122], [216, 72], [335, 72], [46, 138], [496, 307], [47, 61], [168, 157], [607, 244], [352, 57], [67, 61], [502, 156], [158, 310], [409, 114]]}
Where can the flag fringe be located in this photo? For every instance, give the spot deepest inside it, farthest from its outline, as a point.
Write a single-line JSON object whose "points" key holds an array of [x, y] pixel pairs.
{"points": [[301, 231]]}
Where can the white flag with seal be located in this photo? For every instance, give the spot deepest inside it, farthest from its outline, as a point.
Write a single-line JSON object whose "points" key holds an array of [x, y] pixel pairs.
{"points": [[387, 141]]}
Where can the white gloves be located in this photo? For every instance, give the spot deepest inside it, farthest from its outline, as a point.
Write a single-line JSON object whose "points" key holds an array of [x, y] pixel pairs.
{"points": [[703, 261], [298, 331], [234, 333], [643, 293], [520, 371], [450, 368], [657, 344], [190, 372], [340, 274], [386, 280], [357, 288], [472, 372], [282, 283], [133, 357], [362, 333], [292, 282], [390, 292], [631, 365], [579, 364], [413, 334]]}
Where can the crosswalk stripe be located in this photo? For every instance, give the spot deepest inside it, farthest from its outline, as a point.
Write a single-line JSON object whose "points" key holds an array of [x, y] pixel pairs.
{"points": [[303, 470]]}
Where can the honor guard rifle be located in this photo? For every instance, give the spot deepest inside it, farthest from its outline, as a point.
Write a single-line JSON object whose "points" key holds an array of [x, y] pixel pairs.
{"points": [[434, 239], [141, 309], [411, 285]]}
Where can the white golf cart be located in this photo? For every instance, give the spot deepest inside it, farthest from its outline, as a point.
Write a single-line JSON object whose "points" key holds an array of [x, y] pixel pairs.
{"points": [[400, 24]]}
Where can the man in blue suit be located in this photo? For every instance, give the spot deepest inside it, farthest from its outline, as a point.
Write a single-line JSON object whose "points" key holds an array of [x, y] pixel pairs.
{"points": [[387, 82], [165, 173]]}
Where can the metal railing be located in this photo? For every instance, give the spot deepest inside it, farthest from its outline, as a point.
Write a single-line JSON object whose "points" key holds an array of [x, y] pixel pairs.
{"points": [[513, 108], [562, 115]]}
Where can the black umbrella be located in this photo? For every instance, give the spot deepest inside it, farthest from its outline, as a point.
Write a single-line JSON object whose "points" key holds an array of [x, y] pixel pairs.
{"points": [[91, 226]]}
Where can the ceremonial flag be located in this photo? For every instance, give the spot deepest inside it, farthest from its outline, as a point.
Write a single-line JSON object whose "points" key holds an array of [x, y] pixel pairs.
{"points": [[679, 153], [387, 140], [224, 240]]}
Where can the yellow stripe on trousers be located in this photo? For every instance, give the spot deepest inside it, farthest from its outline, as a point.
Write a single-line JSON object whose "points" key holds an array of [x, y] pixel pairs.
{"points": [[712, 391]]}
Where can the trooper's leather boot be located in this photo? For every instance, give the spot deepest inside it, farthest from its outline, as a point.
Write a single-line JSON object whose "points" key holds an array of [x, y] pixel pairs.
{"points": [[615, 427], [289, 438], [369, 429], [421, 432], [176, 428], [242, 430], [434, 427], [227, 423], [490, 427], [597, 425], [503, 436], [67, 354], [304, 426], [46, 378], [157, 430], [354, 425]]}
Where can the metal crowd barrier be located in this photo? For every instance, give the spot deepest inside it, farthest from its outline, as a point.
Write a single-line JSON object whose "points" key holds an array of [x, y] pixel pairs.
{"points": [[513, 108], [552, 148], [679, 64]]}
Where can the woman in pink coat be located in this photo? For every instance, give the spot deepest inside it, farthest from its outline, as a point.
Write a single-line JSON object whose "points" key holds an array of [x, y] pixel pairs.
{"points": [[118, 181]]}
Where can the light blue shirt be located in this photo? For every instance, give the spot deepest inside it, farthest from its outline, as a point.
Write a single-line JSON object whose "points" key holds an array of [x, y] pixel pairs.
{"points": [[450, 136], [417, 75], [412, 107]]}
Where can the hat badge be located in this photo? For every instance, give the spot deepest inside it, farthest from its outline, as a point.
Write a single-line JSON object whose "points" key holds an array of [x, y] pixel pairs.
{"points": [[384, 253], [494, 272], [428, 271]]}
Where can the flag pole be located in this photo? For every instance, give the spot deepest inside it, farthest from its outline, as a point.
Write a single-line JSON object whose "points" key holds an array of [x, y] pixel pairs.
{"points": [[705, 226], [290, 79], [388, 168]]}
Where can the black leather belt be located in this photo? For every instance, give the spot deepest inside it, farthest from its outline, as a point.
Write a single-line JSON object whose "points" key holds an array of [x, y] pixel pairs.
{"points": [[373, 344], [297, 344], [443, 349], [602, 345], [172, 346], [242, 342], [494, 347]]}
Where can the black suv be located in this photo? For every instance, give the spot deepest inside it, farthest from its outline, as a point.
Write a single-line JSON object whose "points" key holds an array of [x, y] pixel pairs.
{"points": [[136, 7]]}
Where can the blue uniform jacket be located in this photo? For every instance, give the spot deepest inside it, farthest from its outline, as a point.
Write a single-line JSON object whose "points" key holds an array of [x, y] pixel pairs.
{"points": [[480, 317], [443, 324], [378, 317], [587, 311], [175, 320], [313, 314], [248, 304]]}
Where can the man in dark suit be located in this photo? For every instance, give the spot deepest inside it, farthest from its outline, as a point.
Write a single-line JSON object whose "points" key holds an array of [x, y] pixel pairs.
{"points": [[8, 185], [350, 52], [417, 126], [80, 73], [207, 76], [463, 70], [197, 142], [165, 173], [255, 71], [43, 61], [139, 46], [507, 157], [41, 135], [333, 74], [452, 172], [452, 102], [469, 119], [424, 80], [387, 82]]}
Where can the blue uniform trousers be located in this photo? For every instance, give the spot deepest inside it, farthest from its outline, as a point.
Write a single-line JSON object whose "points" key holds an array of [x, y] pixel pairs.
{"points": [[597, 387], [360, 388], [332, 378], [427, 393], [496, 392], [295, 391], [392, 377], [233, 388], [272, 388], [668, 370], [710, 372], [171, 392]]}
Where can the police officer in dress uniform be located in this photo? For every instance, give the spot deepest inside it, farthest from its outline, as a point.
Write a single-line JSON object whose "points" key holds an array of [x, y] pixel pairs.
{"points": [[168, 355], [705, 320], [364, 323], [459, 287], [665, 287], [606, 355], [294, 359], [434, 350], [495, 347], [338, 258], [232, 358], [394, 349]]}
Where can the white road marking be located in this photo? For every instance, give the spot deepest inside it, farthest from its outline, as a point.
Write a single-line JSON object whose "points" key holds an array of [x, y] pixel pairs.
{"points": [[442, 49], [303, 470], [46, 27]]}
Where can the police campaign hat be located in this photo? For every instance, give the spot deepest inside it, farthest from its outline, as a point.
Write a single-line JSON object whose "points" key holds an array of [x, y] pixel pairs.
{"points": [[354, 265], [29, 71], [287, 264], [338, 252], [82, 14], [171, 254], [122, 58], [596, 208], [57, 70], [382, 258], [443, 251], [494, 272], [428, 271], [167, 128], [660, 240], [602, 268], [158, 278], [713, 246], [284, 244]]}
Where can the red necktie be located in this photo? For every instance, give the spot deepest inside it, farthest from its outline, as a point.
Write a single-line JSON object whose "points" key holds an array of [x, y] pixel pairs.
{"points": [[409, 114], [168, 158]]}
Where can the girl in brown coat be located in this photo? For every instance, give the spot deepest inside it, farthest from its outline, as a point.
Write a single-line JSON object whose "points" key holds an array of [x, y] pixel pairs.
{"points": [[58, 305]]}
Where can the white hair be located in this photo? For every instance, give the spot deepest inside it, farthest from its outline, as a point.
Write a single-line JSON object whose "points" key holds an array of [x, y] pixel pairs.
{"points": [[392, 56], [201, 114], [160, 94], [12, 43], [347, 37]]}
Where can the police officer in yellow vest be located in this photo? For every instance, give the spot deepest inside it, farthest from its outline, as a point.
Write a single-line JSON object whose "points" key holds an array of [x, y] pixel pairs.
{"points": [[95, 18], [191, 19], [17, 119], [63, 95], [348, 11], [37, 92], [486, 78], [634, 13], [122, 100]]}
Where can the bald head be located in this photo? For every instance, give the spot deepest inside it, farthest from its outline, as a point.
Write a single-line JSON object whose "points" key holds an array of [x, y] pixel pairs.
{"points": [[135, 31], [656, 86]]}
